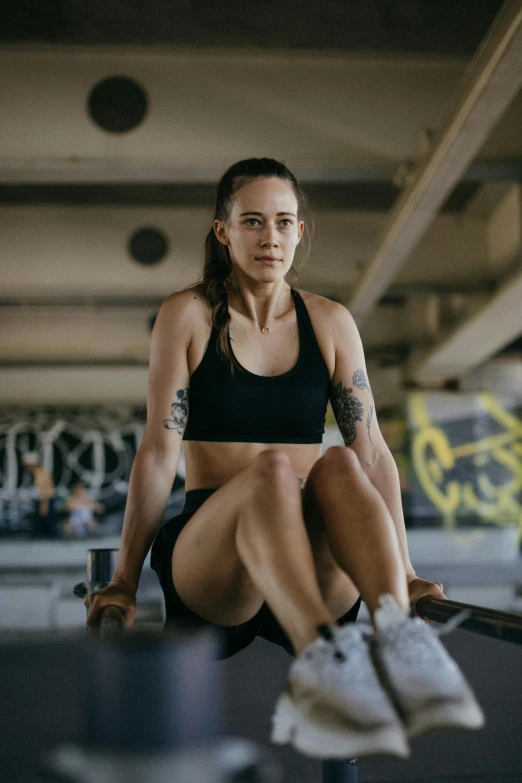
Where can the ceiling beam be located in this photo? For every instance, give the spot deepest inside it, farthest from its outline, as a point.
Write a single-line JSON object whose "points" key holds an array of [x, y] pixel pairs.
{"points": [[489, 85], [142, 170], [495, 325], [369, 196], [135, 171]]}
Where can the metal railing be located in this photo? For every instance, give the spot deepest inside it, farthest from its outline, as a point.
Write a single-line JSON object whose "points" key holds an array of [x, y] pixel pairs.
{"points": [[101, 564], [487, 622]]}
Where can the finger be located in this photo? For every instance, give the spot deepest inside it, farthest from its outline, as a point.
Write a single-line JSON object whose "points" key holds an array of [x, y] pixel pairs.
{"points": [[92, 615], [441, 587], [91, 619], [130, 615]]}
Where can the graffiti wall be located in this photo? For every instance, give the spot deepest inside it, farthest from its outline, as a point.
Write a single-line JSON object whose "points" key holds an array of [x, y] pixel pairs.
{"points": [[466, 454], [95, 445], [459, 455]]}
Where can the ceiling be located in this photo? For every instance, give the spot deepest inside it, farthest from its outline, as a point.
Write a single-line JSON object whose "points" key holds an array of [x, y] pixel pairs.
{"points": [[355, 97], [444, 27]]}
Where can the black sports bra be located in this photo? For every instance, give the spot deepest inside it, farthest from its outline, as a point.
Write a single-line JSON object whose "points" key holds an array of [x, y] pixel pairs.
{"points": [[244, 407]]}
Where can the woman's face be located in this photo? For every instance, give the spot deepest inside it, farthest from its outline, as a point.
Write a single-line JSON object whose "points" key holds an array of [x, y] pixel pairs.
{"points": [[263, 222]]}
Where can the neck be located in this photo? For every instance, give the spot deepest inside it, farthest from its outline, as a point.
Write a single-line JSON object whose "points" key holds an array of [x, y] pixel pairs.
{"points": [[261, 304]]}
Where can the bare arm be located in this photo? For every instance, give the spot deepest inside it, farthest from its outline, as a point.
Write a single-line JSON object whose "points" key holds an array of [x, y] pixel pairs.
{"points": [[354, 409], [157, 458], [149, 491]]}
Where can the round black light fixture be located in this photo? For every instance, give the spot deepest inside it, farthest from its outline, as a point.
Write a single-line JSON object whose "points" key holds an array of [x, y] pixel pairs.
{"points": [[148, 246], [118, 104]]}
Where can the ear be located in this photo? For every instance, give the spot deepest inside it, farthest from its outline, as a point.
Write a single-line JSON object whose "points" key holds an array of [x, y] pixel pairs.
{"points": [[220, 232]]}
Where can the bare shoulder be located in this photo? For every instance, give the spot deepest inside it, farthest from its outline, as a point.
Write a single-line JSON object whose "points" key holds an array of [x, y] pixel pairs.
{"points": [[188, 302], [187, 309], [329, 312]]}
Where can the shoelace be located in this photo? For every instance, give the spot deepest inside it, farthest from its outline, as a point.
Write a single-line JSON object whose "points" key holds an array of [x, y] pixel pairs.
{"points": [[329, 636], [452, 623]]}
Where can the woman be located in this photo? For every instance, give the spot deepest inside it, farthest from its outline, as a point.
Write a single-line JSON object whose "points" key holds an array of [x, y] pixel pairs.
{"points": [[274, 539]]}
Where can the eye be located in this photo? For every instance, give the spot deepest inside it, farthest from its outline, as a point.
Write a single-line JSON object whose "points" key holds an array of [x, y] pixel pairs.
{"points": [[249, 219]]}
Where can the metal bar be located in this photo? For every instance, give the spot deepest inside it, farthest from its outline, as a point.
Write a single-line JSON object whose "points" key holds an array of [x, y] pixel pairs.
{"points": [[488, 622], [101, 564], [111, 623]]}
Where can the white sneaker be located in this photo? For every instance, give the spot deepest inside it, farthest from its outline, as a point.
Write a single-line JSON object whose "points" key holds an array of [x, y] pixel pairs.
{"points": [[427, 686], [334, 705]]}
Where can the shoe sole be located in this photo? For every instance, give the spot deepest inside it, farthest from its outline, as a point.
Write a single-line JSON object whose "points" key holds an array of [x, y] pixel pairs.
{"points": [[445, 715], [330, 739]]}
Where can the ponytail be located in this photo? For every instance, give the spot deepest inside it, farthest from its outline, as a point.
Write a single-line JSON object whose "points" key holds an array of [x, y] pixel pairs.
{"points": [[216, 273]]}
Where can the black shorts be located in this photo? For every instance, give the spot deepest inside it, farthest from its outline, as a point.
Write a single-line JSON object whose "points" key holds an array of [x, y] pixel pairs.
{"points": [[233, 637]]}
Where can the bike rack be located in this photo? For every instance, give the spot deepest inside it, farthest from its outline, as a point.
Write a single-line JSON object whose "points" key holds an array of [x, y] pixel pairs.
{"points": [[487, 622]]}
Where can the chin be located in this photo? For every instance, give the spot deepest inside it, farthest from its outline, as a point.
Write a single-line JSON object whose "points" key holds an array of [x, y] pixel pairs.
{"points": [[269, 271]]}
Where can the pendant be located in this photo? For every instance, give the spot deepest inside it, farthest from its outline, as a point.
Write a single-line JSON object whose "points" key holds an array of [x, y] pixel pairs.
{"points": [[265, 329]]}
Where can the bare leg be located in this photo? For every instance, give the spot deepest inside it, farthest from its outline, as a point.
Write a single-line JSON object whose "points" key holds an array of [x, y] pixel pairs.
{"points": [[360, 530], [273, 544]]}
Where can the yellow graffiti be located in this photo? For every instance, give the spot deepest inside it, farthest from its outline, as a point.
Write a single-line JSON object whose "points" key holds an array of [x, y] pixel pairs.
{"points": [[431, 471], [433, 456]]}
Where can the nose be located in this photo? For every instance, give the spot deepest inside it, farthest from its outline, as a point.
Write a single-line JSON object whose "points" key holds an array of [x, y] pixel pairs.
{"points": [[269, 235]]}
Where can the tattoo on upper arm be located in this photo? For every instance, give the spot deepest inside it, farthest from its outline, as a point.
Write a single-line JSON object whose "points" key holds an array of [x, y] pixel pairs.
{"points": [[347, 410], [178, 412], [359, 380]]}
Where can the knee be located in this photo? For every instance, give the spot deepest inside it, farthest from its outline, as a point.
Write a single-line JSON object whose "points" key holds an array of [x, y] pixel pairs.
{"points": [[273, 467], [337, 460]]}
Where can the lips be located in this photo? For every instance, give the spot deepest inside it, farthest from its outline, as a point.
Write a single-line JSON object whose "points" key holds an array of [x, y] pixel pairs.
{"points": [[267, 258]]}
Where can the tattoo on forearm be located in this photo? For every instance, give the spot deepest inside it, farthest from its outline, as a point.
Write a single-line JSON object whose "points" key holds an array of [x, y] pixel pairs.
{"points": [[302, 481], [178, 412], [359, 380], [347, 410]]}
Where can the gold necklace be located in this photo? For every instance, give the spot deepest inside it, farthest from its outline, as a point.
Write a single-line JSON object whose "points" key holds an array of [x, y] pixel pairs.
{"points": [[265, 329]]}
